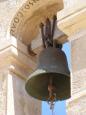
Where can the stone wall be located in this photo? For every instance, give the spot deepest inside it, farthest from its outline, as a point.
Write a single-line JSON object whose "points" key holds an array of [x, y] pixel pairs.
{"points": [[3, 92], [15, 67], [72, 21]]}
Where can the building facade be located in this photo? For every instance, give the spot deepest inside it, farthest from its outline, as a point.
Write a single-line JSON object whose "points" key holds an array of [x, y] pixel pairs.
{"points": [[19, 27]]}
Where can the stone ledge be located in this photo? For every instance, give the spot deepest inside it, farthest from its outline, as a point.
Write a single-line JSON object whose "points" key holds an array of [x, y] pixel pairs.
{"points": [[16, 61], [72, 20]]}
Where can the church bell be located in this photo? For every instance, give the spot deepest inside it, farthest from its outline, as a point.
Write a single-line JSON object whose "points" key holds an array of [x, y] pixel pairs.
{"points": [[51, 79]]}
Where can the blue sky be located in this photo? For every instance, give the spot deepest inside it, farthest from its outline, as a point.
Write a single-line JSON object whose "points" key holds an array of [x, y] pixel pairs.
{"points": [[60, 106]]}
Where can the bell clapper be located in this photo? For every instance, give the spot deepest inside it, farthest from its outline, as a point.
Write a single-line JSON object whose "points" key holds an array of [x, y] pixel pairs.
{"points": [[52, 94]]}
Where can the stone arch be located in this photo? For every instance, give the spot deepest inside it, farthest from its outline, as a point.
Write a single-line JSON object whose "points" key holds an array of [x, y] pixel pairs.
{"points": [[25, 24]]}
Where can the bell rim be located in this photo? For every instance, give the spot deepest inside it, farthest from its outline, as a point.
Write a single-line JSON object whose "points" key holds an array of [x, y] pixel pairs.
{"points": [[66, 97], [40, 71]]}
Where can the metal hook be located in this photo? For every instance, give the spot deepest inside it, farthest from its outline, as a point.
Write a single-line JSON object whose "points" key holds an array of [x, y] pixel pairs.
{"points": [[30, 51]]}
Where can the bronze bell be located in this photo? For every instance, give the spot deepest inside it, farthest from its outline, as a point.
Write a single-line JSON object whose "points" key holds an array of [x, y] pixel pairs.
{"points": [[51, 80], [52, 65]]}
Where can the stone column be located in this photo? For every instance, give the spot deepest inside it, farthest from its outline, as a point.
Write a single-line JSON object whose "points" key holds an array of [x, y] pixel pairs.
{"points": [[15, 67], [77, 104], [72, 21]]}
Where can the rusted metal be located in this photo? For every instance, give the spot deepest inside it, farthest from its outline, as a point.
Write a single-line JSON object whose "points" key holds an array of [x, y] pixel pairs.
{"points": [[52, 94], [47, 32], [43, 36], [54, 23], [30, 51]]}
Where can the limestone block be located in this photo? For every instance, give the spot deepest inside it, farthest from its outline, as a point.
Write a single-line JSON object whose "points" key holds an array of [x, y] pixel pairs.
{"points": [[72, 19], [8, 8], [15, 65], [78, 61], [70, 3], [78, 52], [20, 102], [3, 92], [14, 52], [25, 24], [77, 106]]}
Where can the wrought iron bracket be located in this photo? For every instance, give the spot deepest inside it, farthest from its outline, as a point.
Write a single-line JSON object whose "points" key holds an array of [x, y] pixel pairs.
{"points": [[47, 32], [30, 51]]}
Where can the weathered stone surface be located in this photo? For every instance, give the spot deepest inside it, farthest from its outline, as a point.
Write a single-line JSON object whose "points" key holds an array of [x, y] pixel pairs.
{"points": [[8, 8], [3, 92], [14, 52], [18, 10], [78, 83], [15, 67], [70, 3], [78, 52], [73, 19], [23, 103], [25, 24], [76, 105]]}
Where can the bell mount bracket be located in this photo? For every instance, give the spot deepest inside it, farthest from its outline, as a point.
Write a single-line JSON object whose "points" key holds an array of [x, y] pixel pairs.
{"points": [[47, 33]]}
